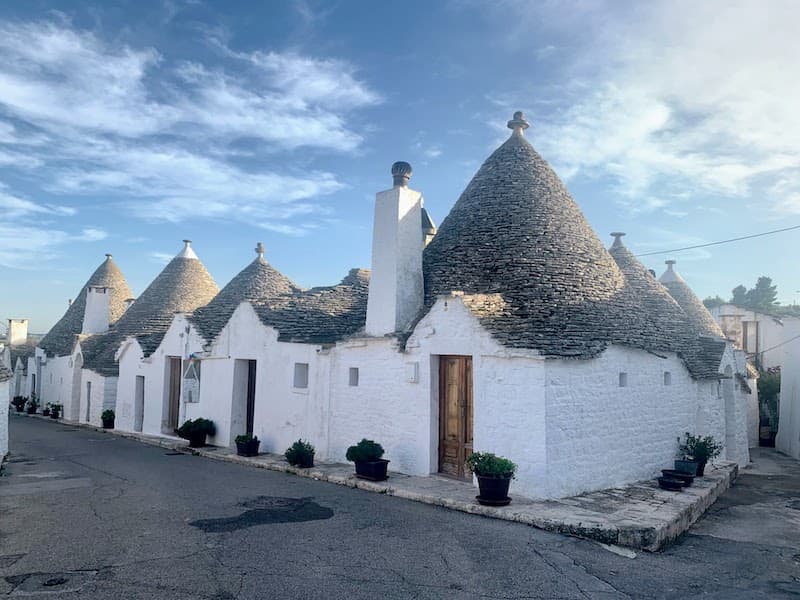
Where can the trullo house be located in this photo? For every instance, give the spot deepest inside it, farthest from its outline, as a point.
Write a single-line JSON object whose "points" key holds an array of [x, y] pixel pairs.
{"points": [[511, 329]]}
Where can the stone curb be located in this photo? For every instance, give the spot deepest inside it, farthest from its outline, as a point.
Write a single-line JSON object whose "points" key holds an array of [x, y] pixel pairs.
{"points": [[652, 533]]}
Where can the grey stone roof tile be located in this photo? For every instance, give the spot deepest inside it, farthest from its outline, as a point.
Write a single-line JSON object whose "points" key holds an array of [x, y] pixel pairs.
{"points": [[321, 315], [258, 282], [60, 340], [183, 286]]}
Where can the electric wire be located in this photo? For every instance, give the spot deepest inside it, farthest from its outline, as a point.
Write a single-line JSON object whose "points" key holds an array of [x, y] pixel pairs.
{"points": [[737, 239]]}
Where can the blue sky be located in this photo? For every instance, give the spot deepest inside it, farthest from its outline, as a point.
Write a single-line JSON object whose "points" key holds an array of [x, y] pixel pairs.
{"points": [[126, 127]]}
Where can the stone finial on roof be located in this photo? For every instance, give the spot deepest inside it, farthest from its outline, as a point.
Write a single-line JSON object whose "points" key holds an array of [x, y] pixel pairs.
{"points": [[108, 256], [260, 250], [401, 173], [617, 235], [518, 124], [187, 251], [669, 275]]}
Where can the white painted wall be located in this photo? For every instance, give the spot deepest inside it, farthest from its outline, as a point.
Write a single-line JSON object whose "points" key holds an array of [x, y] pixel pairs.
{"points": [[96, 313], [395, 287], [788, 438], [771, 330], [17, 331], [56, 381], [5, 387], [103, 395]]}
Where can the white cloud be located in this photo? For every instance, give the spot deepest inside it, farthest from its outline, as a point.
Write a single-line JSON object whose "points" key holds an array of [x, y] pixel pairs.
{"points": [[27, 246], [161, 258], [105, 118], [676, 98], [14, 207]]}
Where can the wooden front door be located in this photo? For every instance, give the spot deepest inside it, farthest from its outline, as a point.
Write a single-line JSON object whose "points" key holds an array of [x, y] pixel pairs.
{"points": [[455, 414], [174, 393]]}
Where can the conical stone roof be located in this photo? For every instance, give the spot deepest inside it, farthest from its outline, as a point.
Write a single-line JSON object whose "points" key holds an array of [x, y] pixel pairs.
{"points": [[258, 282], [699, 317], [183, 286], [518, 242], [60, 340]]}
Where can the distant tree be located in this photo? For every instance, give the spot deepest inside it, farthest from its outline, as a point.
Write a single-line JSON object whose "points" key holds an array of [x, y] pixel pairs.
{"points": [[739, 295], [763, 296], [713, 302]]}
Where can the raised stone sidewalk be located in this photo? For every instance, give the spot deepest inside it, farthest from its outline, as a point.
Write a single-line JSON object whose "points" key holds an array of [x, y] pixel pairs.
{"points": [[639, 515]]}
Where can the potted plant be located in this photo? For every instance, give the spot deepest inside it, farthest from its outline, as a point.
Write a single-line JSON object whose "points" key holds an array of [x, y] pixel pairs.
{"points": [[33, 405], [46, 410], [247, 445], [494, 475], [367, 457], [300, 454], [55, 410], [196, 431], [107, 416], [19, 403], [699, 449]]}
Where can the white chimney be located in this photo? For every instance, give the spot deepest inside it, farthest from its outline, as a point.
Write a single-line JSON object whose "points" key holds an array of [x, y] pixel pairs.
{"points": [[17, 331], [396, 286], [95, 315]]}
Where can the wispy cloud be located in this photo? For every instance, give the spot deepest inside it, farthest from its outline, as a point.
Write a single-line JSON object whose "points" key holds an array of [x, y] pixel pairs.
{"points": [[127, 122], [672, 99], [27, 246]]}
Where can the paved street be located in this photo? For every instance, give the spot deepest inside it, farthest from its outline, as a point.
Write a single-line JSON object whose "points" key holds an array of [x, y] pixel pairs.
{"points": [[89, 515]]}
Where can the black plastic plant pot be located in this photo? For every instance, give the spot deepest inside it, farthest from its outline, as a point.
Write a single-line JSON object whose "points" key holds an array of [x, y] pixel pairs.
{"points": [[670, 483], [197, 440], [54, 414], [31, 410], [46, 412], [374, 470], [305, 463], [19, 408], [701, 468], [248, 448], [686, 478], [108, 423], [494, 490], [687, 466]]}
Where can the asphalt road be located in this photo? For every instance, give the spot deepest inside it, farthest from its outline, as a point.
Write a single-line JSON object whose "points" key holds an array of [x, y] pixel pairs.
{"points": [[90, 515]]}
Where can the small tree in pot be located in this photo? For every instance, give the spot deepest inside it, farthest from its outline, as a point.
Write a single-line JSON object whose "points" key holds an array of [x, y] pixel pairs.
{"points": [[55, 410], [107, 417], [367, 456], [698, 449], [33, 406], [494, 475], [300, 454], [247, 445], [46, 410], [19, 403], [196, 431]]}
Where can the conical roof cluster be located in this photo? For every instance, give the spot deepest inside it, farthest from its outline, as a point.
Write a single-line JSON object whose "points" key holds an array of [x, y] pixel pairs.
{"points": [[699, 317], [60, 340], [536, 275], [258, 282], [183, 286]]}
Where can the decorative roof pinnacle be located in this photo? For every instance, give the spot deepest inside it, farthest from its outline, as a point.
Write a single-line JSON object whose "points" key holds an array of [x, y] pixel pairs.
{"points": [[617, 235], [669, 263], [401, 173], [518, 124], [260, 250], [108, 256]]}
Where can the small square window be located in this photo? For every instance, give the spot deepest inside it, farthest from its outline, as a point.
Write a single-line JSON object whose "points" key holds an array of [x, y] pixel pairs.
{"points": [[667, 378], [353, 376], [301, 375], [623, 380]]}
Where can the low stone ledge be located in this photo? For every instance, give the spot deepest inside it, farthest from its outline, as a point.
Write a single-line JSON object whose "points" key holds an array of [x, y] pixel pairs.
{"points": [[639, 515]]}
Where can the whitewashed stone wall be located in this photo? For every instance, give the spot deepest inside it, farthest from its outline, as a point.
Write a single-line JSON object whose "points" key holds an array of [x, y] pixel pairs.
{"points": [[5, 386], [788, 438], [56, 385]]}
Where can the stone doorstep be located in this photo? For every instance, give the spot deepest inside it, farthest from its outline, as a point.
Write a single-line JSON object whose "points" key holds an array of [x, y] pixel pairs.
{"points": [[648, 519]]}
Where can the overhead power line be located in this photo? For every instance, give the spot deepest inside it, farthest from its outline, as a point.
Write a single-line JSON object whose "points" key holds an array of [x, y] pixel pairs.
{"points": [[744, 237], [783, 343]]}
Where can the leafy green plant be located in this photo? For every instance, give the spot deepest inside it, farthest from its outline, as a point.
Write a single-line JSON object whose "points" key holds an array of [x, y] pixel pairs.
{"points": [[244, 438], [699, 448], [32, 403], [19, 402], [365, 450], [56, 406], [196, 428], [300, 453], [487, 464], [107, 415]]}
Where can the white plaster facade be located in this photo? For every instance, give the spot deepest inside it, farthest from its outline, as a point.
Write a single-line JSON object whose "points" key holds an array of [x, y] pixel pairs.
{"points": [[567, 423], [758, 334], [788, 438], [5, 386]]}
